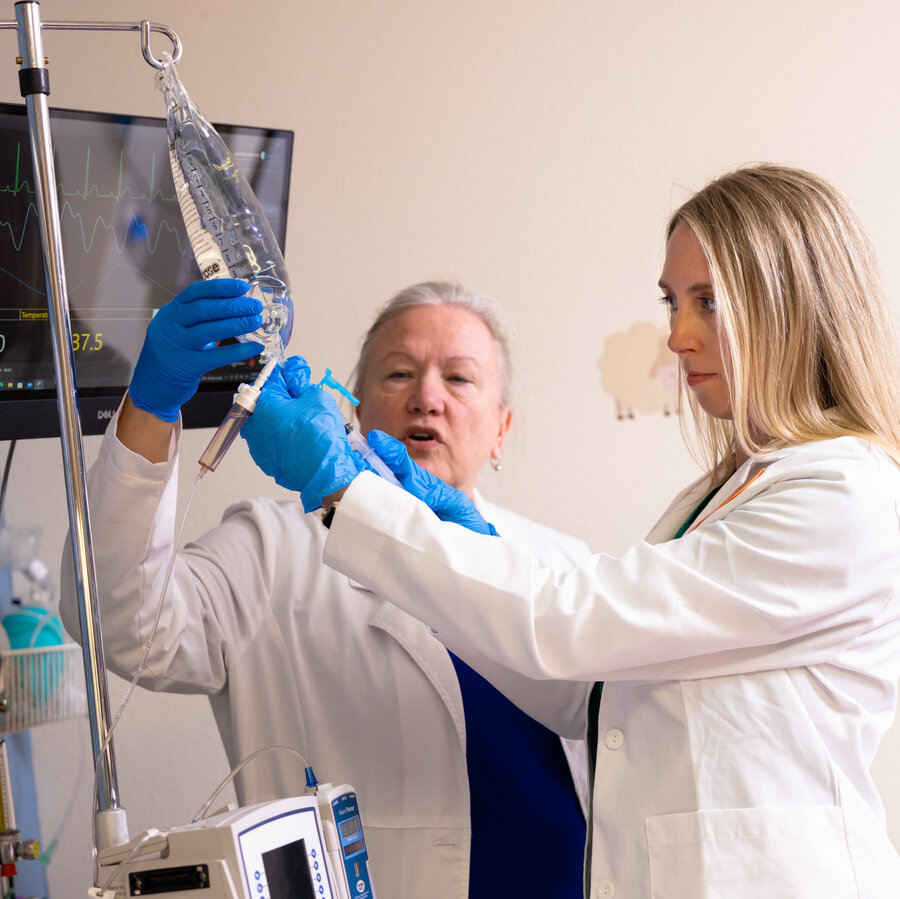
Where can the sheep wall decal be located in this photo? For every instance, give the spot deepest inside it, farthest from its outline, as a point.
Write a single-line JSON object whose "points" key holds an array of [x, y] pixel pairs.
{"points": [[639, 371]]}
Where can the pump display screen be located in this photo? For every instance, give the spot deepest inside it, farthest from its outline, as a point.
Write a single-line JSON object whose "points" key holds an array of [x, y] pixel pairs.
{"points": [[287, 872], [351, 837], [283, 857], [125, 254]]}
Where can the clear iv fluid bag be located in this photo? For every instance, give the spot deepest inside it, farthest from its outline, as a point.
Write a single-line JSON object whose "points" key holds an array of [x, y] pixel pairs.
{"points": [[228, 231]]}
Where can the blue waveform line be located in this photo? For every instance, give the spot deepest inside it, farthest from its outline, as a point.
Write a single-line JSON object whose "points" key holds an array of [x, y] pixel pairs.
{"points": [[135, 229], [31, 287], [72, 290]]}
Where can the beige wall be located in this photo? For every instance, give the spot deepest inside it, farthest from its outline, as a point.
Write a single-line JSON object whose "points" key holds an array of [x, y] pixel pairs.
{"points": [[531, 148]]}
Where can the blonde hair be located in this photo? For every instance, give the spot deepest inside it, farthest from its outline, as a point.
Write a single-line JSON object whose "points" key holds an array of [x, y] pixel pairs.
{"points": [[443, 293], [803, 314]]}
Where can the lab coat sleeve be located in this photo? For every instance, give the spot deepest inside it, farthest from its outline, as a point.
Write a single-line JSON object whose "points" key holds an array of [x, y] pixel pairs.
{"points": [[793, 571], [133, 510], [559, 705]]}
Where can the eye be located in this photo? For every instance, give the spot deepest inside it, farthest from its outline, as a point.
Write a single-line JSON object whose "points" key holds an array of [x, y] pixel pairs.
{"points": [[669, 302], [709, 304], [459, 379], [398, 375]]}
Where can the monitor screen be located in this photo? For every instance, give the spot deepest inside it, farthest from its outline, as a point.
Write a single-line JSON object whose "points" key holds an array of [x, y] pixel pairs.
{"points": [[125, 254]]}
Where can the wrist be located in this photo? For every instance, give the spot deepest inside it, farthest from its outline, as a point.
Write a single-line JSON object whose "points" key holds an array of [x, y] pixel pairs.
{"points": [[329, 506], [168, 414], [333, 499], [143, 432], [328, 513]]}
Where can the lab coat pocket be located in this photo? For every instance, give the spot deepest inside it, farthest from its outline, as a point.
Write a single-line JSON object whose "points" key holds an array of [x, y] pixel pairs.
{"points": [[781, 853]]}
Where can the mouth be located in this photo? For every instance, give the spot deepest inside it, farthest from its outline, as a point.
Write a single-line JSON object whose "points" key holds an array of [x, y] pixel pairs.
{"points": [[421, 437], [694, 378]]}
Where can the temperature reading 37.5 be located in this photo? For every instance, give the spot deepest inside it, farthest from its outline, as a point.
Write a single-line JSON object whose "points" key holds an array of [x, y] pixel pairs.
{"points": [[85, 341]]}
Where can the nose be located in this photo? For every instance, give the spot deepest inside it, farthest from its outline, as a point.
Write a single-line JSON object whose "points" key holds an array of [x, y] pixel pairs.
{"points": [[427, 395], [684, 332]]}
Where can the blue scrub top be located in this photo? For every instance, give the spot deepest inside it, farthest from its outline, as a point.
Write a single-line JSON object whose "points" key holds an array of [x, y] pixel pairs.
{"points": [[528, 830]]}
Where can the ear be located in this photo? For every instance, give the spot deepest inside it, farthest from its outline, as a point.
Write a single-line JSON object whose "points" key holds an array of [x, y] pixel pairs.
{"points": [[358, 411], [505, 422]]}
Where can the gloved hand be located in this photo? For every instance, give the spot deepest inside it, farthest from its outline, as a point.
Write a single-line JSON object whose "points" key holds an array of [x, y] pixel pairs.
{"points": [[448, 503], [180, 344], [297, 436]]}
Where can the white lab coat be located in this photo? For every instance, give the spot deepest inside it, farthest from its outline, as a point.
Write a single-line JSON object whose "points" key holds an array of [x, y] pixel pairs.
{"points": [[750, 667], [294, 654]]}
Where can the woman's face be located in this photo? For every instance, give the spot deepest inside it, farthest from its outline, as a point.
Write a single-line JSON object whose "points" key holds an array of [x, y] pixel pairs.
{"points": [[432, 381], [695, 334]]}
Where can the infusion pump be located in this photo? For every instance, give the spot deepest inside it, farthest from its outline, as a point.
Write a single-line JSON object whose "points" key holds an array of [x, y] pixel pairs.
{"points": [[308, 847]]}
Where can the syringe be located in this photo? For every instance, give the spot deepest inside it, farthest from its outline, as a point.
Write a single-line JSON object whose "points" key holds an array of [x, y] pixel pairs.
{"points": [[244, 404], [356, 439]]}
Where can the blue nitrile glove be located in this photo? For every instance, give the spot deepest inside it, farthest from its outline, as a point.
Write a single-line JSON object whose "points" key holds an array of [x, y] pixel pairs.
{"points": [[180, 345], [297, 436], [448, 503]]}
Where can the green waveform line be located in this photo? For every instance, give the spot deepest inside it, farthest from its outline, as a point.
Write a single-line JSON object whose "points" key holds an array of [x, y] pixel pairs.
{"points": [[92, 190]]}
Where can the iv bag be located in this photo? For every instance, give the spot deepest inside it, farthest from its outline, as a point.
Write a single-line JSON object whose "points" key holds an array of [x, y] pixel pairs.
{"points": [[228, 231]]}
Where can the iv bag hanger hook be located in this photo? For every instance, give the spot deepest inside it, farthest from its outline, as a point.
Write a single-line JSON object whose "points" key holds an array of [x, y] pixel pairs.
{"points": [[144, 26]]}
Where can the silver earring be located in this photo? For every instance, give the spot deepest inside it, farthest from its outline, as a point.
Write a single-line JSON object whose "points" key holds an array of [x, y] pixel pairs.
{"points": [[497, 463]]}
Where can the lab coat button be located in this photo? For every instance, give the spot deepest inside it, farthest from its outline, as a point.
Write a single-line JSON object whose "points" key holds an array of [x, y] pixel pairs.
{"points": [[614, 739], [606, 889]]}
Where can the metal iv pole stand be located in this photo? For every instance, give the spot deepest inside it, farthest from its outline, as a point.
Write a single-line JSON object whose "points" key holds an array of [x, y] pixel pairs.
{"points": [[111, 824]]}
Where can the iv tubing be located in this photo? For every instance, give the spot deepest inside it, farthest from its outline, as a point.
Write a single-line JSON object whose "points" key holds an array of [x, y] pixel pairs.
{"points": [[148, 835], [126, 698], [201, 812]]}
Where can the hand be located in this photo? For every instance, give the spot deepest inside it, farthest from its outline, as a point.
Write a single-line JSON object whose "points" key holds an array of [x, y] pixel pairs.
{"points": [[448, 503], [180, 345], [297, 436]]}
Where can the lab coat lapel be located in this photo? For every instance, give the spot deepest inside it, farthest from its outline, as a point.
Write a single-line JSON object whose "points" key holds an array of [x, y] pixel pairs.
{"points": [[737, 488], [426, 651], [679, 509]]}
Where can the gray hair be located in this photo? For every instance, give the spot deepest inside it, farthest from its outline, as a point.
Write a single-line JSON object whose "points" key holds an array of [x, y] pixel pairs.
{"points": [[443, 293]]}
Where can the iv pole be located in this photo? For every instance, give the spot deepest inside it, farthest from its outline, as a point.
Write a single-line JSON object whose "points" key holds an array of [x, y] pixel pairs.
{"points": [[34, 82]]}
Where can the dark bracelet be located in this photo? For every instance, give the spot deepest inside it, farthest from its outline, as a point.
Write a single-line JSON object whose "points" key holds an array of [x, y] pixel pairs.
{"points": [[328, 514]]}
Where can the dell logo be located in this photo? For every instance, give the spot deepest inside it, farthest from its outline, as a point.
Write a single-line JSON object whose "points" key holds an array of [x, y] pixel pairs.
{"points": [[105, 414]]}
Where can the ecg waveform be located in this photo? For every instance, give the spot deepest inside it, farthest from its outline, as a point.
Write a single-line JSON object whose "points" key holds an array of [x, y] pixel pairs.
{"points": [[88, 190], [115, 217]]}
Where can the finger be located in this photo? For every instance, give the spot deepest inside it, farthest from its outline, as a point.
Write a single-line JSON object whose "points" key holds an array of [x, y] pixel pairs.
{"points": [[215, 289], [235, 352], [296, 374], [276, 385], [389, 448], [201, 335], [210, 310], [392, 452]]}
